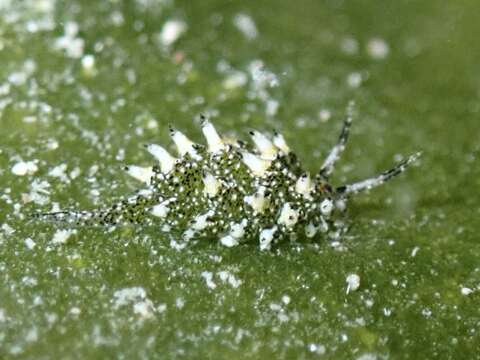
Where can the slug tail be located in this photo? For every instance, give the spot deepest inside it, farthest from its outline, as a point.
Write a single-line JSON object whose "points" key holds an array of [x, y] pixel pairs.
{"points": [[133, 211]]}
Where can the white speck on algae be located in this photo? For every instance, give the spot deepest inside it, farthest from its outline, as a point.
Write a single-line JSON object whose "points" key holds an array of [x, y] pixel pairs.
{"points": [[61, 236], [23, 168], [353, 282], [171, 32], [142, 306], [245, 24]]}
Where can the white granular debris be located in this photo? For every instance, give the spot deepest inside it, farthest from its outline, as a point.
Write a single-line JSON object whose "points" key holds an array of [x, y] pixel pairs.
{"points": [[29, 281], [367, 356], [324, 115], [75, 311], [377, 48], [227, 276], [427, 312], [61, 236], [262, 78], [271, 107], [52, 144], [88, 64], [5, 89], [7, 229], [349, 46], [354, 80], [3, 316], [23, 168], [59, 172], [466, 291], [144, 309], [282, 317], [180, 303], [88, 61], [127, 295], [318, 349], [29, 243], [38, 193], [353, 282], [171, 32], [37, 301], [235, 80], [286, 299], [69, 42], [177, 245], [246, 25], [414, 251], [75, 173], [275, 307], [32, 335], [229, 241], [208, 276], [30, 119]]}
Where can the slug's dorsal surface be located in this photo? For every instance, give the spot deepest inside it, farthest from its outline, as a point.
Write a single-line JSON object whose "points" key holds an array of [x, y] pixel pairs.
{"points": [[232, 192]]}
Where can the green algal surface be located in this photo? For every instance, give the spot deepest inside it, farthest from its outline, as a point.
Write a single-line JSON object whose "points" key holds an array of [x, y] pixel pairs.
{"points": [[85, 84]]}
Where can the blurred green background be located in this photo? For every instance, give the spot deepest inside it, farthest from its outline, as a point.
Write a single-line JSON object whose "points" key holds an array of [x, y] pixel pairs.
{"points": [[83, 84]]}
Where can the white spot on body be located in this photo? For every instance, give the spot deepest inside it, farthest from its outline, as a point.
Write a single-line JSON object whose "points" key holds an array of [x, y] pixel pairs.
{"points": [[201, 221], [288, 216], [188, 234], [161, 210], [257, 201], [212, 185], [238, 230]]}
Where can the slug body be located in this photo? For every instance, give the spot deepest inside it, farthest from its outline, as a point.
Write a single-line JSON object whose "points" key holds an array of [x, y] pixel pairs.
{"points": [[233, 191]]}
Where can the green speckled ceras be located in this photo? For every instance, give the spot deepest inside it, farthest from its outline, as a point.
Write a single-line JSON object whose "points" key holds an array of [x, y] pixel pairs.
{"points": [[233, 191]]}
